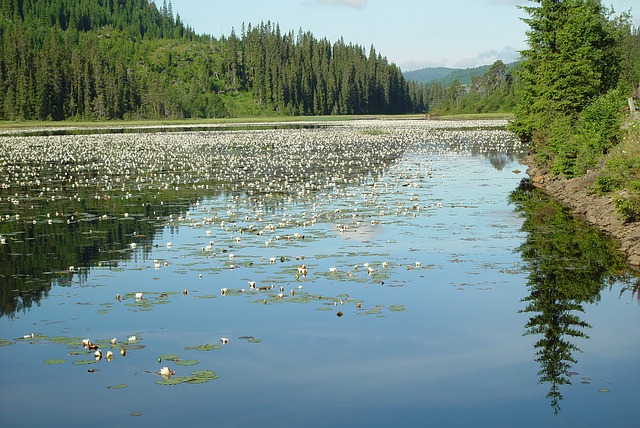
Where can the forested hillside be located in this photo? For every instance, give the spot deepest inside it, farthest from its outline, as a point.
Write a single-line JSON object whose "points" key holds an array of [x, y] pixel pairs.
{"points": [[447, 75], [490, 88], [128, 59]]}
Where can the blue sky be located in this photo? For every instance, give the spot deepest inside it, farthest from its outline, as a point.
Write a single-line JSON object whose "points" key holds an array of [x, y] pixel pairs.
{"points": [[411, 33]]}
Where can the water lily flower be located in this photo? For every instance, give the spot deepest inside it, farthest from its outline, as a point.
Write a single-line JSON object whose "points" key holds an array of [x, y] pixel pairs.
{"points": [[223, 291], [123, 351], [224, 340], [138, 296], [132, 338], [166, 372], [98, 355], [109, 355], [113, 341]]}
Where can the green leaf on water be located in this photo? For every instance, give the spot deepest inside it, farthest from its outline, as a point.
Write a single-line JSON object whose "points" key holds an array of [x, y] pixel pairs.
{"points": [[206, 347], [54, 362], [4, 342], [205, 374], [604, 390], [119, 386], [175, 380], [398, 308], [84, 362], [186, 362], [168, 357]]}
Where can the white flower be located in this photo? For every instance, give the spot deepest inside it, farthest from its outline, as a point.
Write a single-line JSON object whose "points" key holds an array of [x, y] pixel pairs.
{"points": [[224, 340], [165, 371], [132, 338], [138, 296]]}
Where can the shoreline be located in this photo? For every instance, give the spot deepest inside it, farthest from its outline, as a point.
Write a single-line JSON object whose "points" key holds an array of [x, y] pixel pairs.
{"points": [[596, 210]]}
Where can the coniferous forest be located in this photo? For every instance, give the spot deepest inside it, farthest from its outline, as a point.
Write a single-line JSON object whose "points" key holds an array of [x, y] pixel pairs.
{"points": [[132, 59], [129, 59]]}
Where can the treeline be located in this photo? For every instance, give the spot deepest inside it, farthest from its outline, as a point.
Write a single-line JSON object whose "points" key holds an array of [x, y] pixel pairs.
{"points": [[579, 77], [493, 91], [303, 75], [129, 59]]}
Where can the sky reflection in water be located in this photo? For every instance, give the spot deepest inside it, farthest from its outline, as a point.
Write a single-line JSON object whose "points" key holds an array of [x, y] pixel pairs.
{"points": [[438, 338]]}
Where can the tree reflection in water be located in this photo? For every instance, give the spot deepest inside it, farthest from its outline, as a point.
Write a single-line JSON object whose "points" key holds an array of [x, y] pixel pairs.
{"points": [[569, 263]]}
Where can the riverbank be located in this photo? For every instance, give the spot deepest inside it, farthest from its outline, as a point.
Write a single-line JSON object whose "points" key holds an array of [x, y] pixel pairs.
{"points": [[597, 210]]}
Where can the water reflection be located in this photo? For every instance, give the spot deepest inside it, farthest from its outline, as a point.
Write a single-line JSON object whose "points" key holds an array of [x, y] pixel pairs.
{"points": [[569, 264]]}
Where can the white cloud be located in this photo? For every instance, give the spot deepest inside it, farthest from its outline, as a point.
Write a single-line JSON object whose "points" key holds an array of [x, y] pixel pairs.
{"points": [[350, 3]]}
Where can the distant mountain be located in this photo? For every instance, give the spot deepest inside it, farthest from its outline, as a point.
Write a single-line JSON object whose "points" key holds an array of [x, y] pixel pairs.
{"points": [[446, 75]]}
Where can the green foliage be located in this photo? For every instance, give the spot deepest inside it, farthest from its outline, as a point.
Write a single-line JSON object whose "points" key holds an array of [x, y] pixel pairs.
{"points": [[621, 173], [628, 206], [578, 146], [572, 58], [128, 59], [490, 92]]}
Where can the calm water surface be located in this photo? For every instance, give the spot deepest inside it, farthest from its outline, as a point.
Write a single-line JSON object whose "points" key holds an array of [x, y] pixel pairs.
{"points": [[403, 274]]}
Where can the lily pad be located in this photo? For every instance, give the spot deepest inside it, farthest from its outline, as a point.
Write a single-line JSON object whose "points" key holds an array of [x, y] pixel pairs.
{"points": [[119, 386], [206, 347], [175, 380], [4, 342], [168, 357], [186, 362], [55, 362], [398, 308], [205, 374], [604, 390], [84, 362]]}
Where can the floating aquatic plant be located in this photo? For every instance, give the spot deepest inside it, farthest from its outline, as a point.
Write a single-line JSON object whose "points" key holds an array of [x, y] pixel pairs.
{"points": [[186, 362], [196, 377], [205, 347], [118, 386]]}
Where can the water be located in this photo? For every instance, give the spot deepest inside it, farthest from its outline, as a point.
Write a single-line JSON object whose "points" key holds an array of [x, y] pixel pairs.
{"points": [[436, 289]]}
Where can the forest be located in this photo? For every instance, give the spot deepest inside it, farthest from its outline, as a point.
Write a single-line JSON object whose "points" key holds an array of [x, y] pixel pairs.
{"points": [[129, 59]]}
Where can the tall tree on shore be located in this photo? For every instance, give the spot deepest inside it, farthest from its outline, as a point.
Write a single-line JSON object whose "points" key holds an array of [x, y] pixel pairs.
{"points": [[571, 59]]}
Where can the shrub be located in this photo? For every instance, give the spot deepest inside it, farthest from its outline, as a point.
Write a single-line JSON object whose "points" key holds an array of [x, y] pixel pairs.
{"points": [[627, 205]]}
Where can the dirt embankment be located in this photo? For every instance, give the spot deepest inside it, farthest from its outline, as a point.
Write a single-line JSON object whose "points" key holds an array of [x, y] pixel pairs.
{"points": [[596, 210]]}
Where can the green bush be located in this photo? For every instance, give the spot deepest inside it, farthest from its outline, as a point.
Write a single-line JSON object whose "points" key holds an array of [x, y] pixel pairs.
{"points": [[579, 145], [628, 206]]}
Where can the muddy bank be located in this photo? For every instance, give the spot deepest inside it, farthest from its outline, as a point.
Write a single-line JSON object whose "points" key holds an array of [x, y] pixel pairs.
{"points": [[596, 210]]}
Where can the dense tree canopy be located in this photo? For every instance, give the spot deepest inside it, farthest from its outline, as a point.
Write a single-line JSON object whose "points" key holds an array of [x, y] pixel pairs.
{"points": [[572, 58], [126, 59]]}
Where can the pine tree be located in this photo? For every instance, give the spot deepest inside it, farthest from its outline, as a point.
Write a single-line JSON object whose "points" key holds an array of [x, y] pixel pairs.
{"points": [[570, 60]]}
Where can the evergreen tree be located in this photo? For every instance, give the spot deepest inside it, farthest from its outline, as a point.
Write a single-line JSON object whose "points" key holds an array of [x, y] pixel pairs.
{"points": [[570, 60]]}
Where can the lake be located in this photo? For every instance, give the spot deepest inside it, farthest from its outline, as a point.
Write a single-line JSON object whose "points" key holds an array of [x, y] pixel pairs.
{"points": [[364, 273]]}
